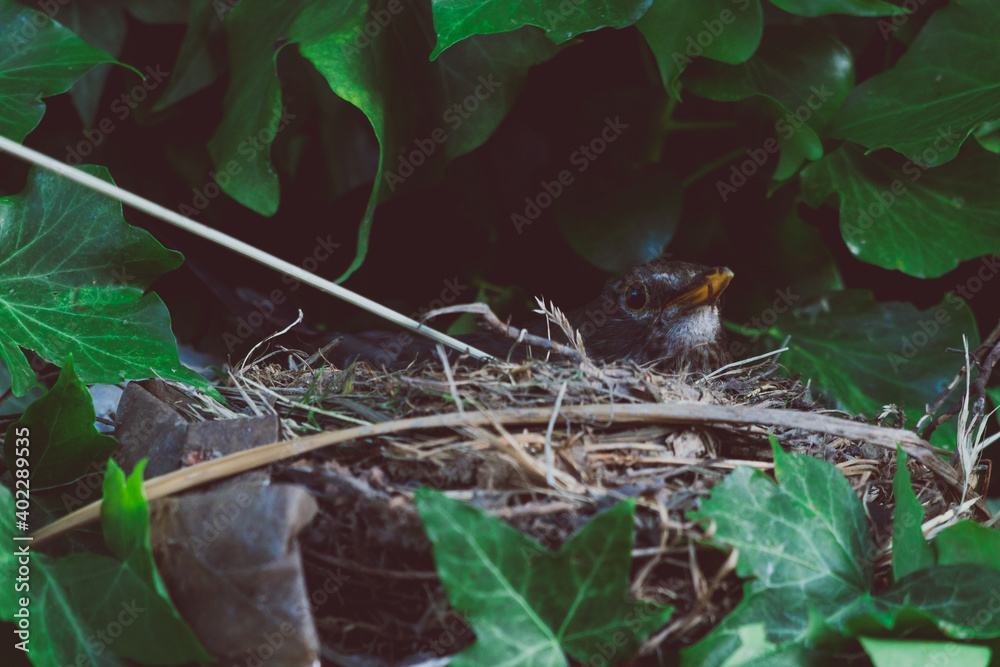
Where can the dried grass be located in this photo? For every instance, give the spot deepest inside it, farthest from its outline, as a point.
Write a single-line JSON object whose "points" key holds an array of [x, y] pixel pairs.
{"points": [[547, 476]]}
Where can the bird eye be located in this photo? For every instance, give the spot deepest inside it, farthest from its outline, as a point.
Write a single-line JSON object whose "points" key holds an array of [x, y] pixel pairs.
{"points": [[636, 297]]}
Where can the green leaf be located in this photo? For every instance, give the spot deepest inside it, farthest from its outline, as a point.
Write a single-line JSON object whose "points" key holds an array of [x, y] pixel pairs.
{"points": [[890, 207], [910, 653], [939, 91], [988, 135], [862, 354], [101, 23], [968, 542], [618, 223], [198, 64], [680, 31], [802, 76], [850, 7], [94, 606], [528, 605], [127, 591], [805, 540], [454, 20], [36, 62], [253, 115], [73, 280], [454, 107], [64, 445], [952, 597], [910, 551], [58, 636]]}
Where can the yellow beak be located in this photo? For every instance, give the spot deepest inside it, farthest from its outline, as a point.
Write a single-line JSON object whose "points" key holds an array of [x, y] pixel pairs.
{"points": [[707, 291]]}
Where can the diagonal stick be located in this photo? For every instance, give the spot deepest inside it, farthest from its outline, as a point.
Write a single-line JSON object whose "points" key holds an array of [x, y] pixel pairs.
{"points": [[233, 244]]}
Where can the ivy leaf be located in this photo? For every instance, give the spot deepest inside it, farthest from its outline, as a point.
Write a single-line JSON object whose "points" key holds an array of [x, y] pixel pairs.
{"points": [[198, 61], [455, 20], [253, 115], [910, 551], [988, 135], [968, 542], [528, 605], [620, 221], [806, 542], [802, 76], [949, 596], [37, 62], [64, 443], [936, 94], [679, 31], [910, 653], [863, 355], [73, 280], [103, 590], [890, 207], [455, 107], [76, 600], [57, 636], [850, 7], [101, 23]]}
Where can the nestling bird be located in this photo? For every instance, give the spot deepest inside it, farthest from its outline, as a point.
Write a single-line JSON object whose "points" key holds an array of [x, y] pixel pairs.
{"points": [[665, 313]]}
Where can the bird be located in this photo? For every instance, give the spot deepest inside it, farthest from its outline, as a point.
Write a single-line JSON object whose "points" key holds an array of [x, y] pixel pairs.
{"points": [[665, 314]]}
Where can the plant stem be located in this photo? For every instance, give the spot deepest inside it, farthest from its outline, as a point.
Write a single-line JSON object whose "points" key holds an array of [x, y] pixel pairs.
{"points": [[712, 166]]}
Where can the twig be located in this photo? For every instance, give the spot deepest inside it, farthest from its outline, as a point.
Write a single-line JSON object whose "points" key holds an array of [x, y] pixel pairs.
{"points": [[743, 362], [234, 244], [991, 344], [451, 379], [519, 335], [549, 457], [373, 571], [655, 413]]}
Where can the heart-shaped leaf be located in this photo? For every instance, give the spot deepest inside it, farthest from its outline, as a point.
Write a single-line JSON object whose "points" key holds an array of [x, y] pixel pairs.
{"points": [[938, 92], [680, 31], [38, 58], [73, 280], [891, 206]]}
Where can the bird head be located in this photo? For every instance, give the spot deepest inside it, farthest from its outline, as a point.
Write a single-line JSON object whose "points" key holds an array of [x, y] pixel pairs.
{"points": [[665, 312]]}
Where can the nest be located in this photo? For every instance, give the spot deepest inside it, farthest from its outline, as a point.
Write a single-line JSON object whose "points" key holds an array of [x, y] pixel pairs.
{"points": [[545, 445]]}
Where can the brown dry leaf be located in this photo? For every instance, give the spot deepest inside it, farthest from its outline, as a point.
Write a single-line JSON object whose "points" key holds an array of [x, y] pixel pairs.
{"points": [[231, 562]]}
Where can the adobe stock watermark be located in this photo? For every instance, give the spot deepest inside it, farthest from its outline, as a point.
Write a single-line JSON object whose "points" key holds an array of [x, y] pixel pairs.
{"points": [[222, 518], [610, 652], [263, 308], [364, 35], [273, 640], [913, 170], [783, 300], [249, 148], [696, 44], [581, 158], [223, 7], [563, 11], [99, 641], [19, 37], [122, 107], [413, 156], [910, 345], [887, 26], [87, 488], [785, 127], [446, 639], [390, 350]]}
